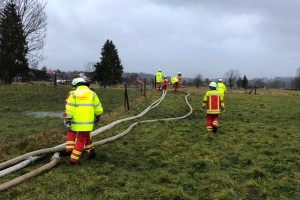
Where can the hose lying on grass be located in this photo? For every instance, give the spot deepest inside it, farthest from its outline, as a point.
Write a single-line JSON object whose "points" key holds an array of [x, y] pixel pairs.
{"points": [[53, 162], [61, 147], [55, 159]]}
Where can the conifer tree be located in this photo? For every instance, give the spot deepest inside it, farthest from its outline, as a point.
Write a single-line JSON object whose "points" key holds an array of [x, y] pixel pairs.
{"points": [[245, 82], [13, 46], [109, 70]]}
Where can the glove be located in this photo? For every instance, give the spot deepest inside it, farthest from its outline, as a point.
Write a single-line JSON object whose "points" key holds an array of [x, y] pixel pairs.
{"points": [[203, 108], [222, 109], [97, 120], [67, 123]]}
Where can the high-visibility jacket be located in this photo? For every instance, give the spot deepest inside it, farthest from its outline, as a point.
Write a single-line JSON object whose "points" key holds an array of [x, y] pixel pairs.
{"points": [[158, 77], [221, 87], [82, 106], [174, 79], [213, 100]]}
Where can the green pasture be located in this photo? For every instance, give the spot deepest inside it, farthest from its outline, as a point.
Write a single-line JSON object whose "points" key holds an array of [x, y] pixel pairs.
{"points": [[254, 155]]}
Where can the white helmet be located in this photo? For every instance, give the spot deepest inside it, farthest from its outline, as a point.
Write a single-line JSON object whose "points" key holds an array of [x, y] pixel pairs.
{"points": [[220, 80], [213, 84], [165, 76], [78, 80], [179, 72], [159, 70]]}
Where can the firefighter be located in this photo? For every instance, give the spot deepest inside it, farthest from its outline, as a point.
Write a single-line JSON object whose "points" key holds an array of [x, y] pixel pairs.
{"points": [[158, 78], [71, 135], [83, 110], [221, 87], [213, 103], [174, 81], [165, 85], [179, 77]]}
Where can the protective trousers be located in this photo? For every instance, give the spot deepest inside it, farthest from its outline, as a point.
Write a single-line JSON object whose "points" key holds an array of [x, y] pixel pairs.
{"points": [[70, 142], [175, 86], [165, 86], [83, 141], [158, 85], [212, 120]]}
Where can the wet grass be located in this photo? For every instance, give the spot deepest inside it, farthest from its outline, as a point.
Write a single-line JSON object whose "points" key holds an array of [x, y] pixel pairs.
{"points": [[254, 155]]}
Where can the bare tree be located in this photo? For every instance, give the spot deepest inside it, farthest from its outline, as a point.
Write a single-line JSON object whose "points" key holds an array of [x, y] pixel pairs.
{"points": [[259, 82], [34, 21], [89, 67], [232, 76], [198, 81]]}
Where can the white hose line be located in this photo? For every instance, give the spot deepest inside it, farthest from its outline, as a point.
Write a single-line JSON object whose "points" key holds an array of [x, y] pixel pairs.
{"points": [[153, 105], [55, 158], [21, 165], [31, 154], [145, 121], [61, 147], [54, 161]]}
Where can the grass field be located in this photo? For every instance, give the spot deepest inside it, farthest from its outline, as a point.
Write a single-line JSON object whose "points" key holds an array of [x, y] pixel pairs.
{"points": [[254, 155]]}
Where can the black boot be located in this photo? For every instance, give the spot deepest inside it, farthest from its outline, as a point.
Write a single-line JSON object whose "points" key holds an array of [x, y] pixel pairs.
{"points": [[72, 163], [92, 154], [215, 129]]}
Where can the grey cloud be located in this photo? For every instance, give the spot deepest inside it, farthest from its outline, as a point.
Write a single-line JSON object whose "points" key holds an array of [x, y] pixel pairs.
{"points": [[259, 37]]}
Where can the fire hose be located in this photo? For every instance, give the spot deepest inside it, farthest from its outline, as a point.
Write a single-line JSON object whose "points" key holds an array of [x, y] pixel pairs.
{"points": [[55, 158], [61, 147]]}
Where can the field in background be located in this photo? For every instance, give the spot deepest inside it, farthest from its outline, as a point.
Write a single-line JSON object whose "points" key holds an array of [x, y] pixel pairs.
{"points": [[255, 155]]}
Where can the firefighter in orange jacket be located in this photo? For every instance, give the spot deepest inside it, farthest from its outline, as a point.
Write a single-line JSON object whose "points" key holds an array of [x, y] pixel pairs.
{"points": [[213, 103], [83, 110], [165, 81], [179, 77]]}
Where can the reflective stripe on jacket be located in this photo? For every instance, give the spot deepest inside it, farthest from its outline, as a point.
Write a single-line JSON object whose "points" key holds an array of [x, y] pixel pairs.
{"points": [[213, 100], [82, 106], [158, 77]]}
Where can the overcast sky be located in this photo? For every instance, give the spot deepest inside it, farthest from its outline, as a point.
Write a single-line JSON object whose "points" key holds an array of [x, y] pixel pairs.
{"points": [[259, 38]]}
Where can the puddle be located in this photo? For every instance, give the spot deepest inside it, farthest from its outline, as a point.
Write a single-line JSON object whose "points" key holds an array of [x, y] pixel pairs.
{"points": [[46, 114]]}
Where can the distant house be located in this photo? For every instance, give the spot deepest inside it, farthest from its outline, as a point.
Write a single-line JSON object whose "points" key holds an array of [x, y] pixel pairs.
{"points": [[50, 72]]}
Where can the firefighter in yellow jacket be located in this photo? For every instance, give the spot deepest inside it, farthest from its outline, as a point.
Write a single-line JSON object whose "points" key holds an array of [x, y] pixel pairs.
{"points": [[83, 110], [174, 81], [158, 78], [221, 87], [213, 103]]}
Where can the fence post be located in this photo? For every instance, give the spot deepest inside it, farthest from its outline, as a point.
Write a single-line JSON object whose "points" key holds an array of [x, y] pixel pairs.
{"points": [[145, 81], [54, 78], [126, 100]]}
